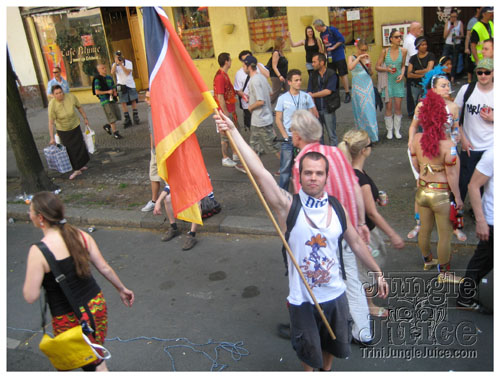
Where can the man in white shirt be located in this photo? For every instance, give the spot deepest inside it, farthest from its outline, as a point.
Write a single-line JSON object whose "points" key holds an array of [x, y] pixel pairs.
{"points": [[123, 69], [415, 30], [241, 80], [314, 248], [477, 129]]}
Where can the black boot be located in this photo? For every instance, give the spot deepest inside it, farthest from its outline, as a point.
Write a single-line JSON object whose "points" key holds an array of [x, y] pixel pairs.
{"points": [[136, 117], [127, 122]]}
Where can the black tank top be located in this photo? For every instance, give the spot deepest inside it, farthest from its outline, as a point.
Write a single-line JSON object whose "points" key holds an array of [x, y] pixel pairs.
{"points": [[282, 66], [310, 51], [83, 289]]}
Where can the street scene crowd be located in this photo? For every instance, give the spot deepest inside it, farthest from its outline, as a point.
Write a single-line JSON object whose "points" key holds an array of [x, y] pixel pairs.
{"points": [[325, 202]]}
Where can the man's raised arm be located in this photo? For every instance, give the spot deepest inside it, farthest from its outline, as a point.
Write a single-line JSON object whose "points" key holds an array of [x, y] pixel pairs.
{"points": [[278, 199]]}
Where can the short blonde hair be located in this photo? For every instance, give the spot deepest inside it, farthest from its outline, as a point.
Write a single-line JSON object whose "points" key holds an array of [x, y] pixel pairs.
{"points": [[306, 125], [353, 142]]}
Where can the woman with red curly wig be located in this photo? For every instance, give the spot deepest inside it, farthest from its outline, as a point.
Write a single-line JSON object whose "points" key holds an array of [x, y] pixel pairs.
{"points": [[434, 156]]}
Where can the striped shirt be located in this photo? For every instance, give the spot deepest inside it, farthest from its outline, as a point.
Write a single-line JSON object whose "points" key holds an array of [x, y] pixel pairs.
{"points": [[341, 177]]}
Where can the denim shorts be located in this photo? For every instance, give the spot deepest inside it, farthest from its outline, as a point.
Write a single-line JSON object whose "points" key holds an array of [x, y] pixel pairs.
{"points": [[129, 95], [310, 336]]}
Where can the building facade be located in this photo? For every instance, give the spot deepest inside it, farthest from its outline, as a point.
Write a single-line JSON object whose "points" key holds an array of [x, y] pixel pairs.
{"points": [[75, 38]]}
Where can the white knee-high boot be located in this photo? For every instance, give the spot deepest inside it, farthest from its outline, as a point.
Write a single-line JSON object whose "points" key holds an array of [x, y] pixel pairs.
{"points": [[389, 124], [397, 125]]}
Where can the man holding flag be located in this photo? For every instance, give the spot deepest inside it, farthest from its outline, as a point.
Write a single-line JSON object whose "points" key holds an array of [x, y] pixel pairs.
{"points": [[314, 243], [180, 101]]}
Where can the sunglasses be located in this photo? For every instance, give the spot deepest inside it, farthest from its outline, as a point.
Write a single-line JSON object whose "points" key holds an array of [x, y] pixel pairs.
{"points": [[370, 145], [55, 71], [480, 73], [396, 36]]}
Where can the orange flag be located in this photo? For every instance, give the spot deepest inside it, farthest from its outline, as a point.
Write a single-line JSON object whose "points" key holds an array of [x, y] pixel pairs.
{"points": [[180, 101]]}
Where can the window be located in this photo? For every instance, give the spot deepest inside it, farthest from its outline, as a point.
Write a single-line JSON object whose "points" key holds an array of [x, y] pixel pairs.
{"points": [[74, 41], [265, 24], [193, 27], [353, 23]]}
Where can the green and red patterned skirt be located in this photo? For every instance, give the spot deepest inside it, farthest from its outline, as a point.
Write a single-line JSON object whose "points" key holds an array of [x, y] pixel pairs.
{"points": [[98, 309]]}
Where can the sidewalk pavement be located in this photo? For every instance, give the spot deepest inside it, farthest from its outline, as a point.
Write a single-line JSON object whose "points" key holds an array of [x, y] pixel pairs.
{"points": [[116, 186]]}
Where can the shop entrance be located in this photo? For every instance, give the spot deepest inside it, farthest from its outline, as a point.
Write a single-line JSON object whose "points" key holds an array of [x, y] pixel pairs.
{"points": [[122, 33]]}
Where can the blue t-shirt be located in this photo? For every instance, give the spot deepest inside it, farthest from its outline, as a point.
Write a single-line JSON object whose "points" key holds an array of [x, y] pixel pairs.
{"points": [[330, 37], [288, 104], [64, 85]]}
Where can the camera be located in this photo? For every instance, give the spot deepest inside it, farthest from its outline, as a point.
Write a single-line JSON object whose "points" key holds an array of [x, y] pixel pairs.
{"points": [[119, 55]]}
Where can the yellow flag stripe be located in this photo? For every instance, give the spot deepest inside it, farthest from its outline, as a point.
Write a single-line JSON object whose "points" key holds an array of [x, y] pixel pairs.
{"points": [[173, 140], [191, 214]]}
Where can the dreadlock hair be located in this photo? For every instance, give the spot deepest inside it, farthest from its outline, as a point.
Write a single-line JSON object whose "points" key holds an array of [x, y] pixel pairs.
{"points": [[52, 209], [432, 117], [431, 77]]}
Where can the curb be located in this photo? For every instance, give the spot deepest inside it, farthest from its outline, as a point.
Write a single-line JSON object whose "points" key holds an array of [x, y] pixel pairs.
{"points": [[85, 218], [219, 223]]}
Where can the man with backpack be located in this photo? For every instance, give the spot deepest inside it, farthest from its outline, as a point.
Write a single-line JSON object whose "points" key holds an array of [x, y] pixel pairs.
{"points": [[104, 88], [323, 88], [314, 244], [334, 43], [343, 185], [476, 103]]}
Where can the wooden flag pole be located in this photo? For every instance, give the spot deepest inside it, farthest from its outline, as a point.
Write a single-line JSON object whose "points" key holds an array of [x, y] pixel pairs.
{"points": [[276, 226]]}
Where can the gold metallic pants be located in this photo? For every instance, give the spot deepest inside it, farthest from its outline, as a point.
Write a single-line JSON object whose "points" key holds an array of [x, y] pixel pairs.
{"points": [[434, 206]]}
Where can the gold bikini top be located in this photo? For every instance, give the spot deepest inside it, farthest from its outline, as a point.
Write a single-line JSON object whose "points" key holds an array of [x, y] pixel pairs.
{"points": [[430, 168]]}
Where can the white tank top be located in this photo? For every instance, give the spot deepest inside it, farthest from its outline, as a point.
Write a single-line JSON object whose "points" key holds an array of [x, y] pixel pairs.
{"points": [[315, 250], [454, 31]]}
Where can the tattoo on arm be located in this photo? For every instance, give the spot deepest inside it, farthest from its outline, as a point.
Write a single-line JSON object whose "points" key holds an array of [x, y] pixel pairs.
{"points": [[287, 195]]}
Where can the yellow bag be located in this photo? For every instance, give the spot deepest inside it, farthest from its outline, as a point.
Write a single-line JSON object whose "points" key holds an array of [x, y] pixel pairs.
{"points": [[71, 349]]}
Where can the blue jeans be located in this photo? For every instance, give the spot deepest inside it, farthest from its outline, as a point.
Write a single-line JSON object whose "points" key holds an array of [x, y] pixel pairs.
{"points": [[416, 92], [454, 52], [286, 162], [329, 122]]}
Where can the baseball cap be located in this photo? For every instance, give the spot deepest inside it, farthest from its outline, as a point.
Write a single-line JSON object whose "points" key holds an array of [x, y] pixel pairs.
{"points": [[488, 10], [250, 59], [486, 63], [118, 53], [419, 41]]}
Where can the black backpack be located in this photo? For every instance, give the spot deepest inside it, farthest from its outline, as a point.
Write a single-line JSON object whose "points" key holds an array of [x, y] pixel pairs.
{"points": [[102, 84], [292, 218], [467, 94], [332, 101]]}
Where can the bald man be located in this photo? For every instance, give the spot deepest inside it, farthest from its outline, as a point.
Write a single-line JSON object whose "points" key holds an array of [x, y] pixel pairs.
{"points": [[415, 31]]}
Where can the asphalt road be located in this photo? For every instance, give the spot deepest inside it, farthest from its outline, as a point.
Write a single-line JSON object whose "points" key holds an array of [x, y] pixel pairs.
{"points": [[216, 307]]}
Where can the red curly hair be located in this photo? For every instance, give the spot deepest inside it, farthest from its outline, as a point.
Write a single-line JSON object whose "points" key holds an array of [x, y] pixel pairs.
{"points": [[432, 117]]}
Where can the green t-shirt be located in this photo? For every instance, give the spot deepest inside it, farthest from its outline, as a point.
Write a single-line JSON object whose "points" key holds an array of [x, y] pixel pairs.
{"points": [[104, 98]]}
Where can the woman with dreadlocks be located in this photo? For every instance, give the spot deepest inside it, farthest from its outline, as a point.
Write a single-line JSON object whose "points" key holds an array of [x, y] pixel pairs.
{"points": [[434, 157]]}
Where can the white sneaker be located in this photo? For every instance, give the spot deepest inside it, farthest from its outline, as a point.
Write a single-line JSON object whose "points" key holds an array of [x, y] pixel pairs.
{"points": [[149, 207], [227, 162], [235, 157], [240, 168]]}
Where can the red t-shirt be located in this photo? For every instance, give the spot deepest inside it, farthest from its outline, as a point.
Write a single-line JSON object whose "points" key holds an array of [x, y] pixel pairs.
{"points": [[223, 86]]}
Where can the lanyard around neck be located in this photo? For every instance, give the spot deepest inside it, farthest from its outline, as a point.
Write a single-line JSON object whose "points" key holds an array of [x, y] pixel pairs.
{"points": [[297, 104]]}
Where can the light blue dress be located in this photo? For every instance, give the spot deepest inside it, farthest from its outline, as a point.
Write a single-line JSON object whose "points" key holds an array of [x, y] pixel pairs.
{"points": [[363, 102], [395, 89]]}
